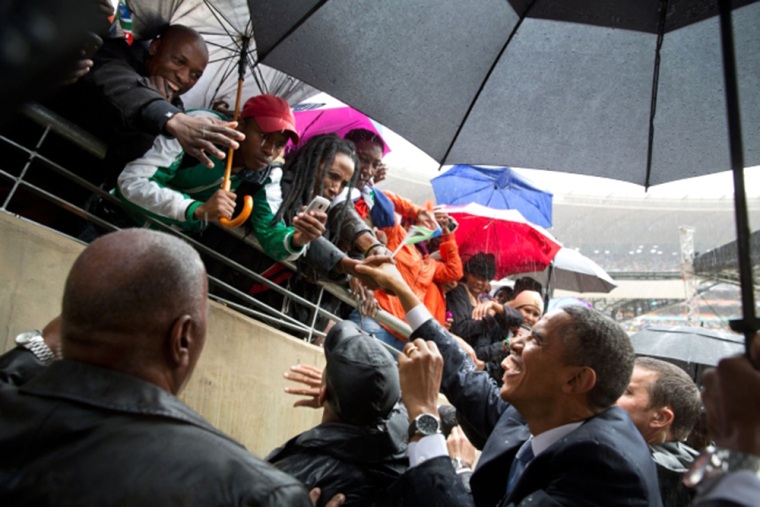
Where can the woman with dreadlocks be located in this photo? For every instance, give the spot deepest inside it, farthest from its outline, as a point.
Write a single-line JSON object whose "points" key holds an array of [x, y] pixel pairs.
{"points": [[325, 166]]}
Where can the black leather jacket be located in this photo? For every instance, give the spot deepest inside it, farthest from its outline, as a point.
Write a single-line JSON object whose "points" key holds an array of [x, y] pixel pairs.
{"points": [[19, 365], [359, 461], [77, 434]]}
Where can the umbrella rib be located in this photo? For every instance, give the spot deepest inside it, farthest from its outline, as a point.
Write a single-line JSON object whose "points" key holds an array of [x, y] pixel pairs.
{"points": [[662, 10], [220, 16], [460, 197], [256, 73], [293, 28], [710, 306], [483, 84], [226, 74], [303, 134]]}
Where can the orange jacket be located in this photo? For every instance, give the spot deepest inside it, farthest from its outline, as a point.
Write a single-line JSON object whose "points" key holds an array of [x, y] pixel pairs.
{"points": [[422, 273]]}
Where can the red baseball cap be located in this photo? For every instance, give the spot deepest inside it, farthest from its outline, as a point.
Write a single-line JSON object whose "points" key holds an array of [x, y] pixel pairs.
{"points": [[272, 114]]}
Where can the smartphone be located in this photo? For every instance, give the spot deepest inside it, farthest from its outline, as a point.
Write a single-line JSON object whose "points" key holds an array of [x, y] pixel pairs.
{"points": [[319, 203], [91, 45]]}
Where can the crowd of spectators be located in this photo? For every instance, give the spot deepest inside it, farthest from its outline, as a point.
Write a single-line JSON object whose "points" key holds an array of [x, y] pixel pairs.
{"points": [[556, 403]]}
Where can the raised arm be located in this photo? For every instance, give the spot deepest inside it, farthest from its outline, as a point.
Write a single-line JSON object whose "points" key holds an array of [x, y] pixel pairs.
{"points": [[470, 391]]}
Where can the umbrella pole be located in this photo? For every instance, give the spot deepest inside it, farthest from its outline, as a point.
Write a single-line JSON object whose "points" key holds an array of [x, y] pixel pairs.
{"points": [[749, 323], [248, 202], [548, 290]]}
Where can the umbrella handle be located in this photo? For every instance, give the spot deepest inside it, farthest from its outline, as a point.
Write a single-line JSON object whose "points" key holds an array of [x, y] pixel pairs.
{"points": [[248, 201], [242, 217]]}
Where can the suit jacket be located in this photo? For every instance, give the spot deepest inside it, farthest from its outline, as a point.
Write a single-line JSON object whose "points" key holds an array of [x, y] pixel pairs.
{"points": [[604, 462]]}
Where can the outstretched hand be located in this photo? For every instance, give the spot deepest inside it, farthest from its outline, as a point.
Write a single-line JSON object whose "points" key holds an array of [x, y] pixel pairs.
{"points": [[349, 266], [486, 308], [200, 135], [427, 219], [309, 376], [381, 270], [479, 365]]}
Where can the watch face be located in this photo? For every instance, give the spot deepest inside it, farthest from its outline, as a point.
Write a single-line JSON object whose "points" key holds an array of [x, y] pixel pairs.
{"points": [[26, 337], [427, 424]]}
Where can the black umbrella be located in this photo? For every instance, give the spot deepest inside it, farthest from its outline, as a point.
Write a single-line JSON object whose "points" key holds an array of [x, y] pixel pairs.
{"points": [[628, 89], [692, 348]]}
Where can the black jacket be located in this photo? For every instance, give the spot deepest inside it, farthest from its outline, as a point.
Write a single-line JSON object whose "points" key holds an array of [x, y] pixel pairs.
{"points": [[77, 434], [358, 461], [19, 365], [116, 102], [487, 335]]}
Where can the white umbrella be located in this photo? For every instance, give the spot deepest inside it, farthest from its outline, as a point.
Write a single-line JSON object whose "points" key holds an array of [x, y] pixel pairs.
{"points": [[572, 271]]}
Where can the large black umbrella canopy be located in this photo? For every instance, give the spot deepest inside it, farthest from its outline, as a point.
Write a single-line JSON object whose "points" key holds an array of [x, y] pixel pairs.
{"points": [[633, 90], [692, 348], [564, 86]]}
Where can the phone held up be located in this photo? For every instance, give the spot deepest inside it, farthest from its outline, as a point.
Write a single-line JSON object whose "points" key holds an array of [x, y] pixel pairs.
{"points": [[319, 203]]}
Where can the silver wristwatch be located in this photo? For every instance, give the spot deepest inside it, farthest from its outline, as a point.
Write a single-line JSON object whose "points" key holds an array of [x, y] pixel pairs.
{"points": [[714, 464], [33, 342], [425, 425]]}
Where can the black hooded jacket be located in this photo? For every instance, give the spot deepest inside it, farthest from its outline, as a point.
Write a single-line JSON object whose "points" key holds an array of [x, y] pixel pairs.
{"points": [[359, 461], [673, 460]]}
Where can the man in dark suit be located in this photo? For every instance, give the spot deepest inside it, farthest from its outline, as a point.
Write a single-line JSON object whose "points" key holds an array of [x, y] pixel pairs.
{"points": [[555, 412]]}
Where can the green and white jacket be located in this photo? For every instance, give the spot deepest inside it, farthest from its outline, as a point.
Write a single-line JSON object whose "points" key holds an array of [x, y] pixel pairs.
{"points": [[159, 186]]}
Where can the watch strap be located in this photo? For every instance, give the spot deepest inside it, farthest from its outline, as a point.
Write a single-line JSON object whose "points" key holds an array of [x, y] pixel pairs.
{"points": [[37, 346], [714, 464]]}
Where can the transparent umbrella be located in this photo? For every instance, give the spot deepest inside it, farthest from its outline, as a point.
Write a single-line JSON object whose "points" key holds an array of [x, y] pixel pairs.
{"points": [[572, 271], [691, 348]]}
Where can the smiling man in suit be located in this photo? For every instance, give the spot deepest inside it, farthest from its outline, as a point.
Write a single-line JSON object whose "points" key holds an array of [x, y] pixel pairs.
{"points": [[553, 435]]}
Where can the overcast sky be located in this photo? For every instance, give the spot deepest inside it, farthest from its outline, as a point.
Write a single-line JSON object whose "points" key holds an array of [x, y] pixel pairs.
{"points": [[409, 162]]}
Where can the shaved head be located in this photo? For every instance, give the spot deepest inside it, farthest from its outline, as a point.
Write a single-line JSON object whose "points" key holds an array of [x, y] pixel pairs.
{"points": [[126, 291], [176, 60]]}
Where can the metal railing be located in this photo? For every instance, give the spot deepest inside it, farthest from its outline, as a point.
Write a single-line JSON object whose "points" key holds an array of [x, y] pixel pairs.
{"points": [[52, 123]]}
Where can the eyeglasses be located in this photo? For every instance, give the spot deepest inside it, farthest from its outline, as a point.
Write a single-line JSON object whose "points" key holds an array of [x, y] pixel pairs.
{"points": [[269, 139]]}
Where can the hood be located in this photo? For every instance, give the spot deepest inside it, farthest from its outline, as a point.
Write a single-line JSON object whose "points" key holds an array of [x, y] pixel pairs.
{"points": [[675, 456]]}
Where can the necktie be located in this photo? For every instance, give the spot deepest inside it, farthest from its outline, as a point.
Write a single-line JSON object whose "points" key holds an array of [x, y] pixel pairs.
{"points": [[524, 455]]}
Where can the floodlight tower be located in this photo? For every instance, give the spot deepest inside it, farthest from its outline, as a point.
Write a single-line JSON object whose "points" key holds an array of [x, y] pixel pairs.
{"points": [[686, 237]]}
